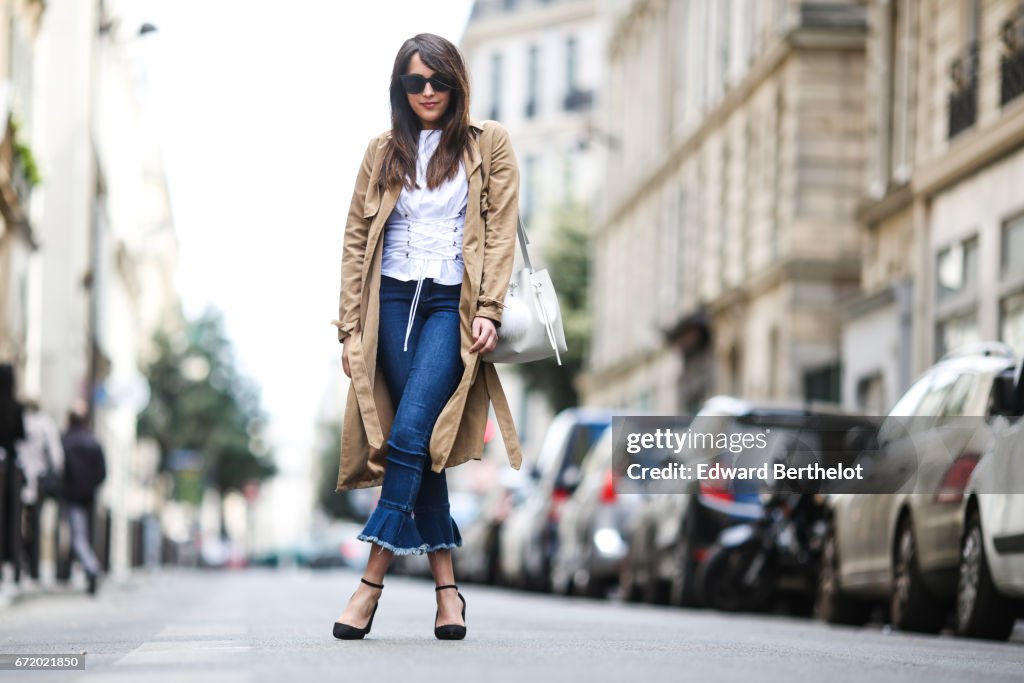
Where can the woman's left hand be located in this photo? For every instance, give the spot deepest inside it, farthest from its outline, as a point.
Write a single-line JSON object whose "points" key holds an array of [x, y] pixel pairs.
{"points": [[485, 335]]}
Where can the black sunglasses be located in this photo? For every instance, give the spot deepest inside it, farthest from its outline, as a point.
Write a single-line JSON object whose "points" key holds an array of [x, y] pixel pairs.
{"points": [[415, 83]]}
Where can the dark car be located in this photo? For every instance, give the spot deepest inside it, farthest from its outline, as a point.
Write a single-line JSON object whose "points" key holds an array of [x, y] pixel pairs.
{"points": [[673, 533]]}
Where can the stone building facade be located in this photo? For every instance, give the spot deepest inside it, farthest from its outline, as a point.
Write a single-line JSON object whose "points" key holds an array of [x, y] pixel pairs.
{"points": [[728, 233]]}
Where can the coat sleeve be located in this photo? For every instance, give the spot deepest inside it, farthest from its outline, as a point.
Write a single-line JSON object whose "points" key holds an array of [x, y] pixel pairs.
{"points": [[357, 228], [500, 226]]}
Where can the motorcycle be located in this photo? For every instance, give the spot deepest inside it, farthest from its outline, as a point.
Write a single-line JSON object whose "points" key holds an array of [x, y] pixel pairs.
{"points": [[752, 565]]}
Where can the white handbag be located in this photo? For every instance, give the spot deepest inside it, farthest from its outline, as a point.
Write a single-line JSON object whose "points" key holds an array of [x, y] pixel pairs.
{"points": [[531, 320]]}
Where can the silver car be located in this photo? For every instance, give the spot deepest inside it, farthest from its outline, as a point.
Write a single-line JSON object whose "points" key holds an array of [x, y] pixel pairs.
{"points": [[990, 589], [902, 547]]}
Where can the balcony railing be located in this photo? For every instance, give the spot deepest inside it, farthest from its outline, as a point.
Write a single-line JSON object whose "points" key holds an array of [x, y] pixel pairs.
{"points": [[963, 96], [1011, 67]]}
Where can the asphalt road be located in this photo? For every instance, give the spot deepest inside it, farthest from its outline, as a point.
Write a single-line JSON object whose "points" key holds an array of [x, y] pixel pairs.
{"points": [[262, 625]]}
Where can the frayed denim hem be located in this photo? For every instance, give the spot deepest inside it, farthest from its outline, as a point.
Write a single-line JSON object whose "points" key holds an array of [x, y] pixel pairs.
{"points": [[444, 546], [419, 550]]}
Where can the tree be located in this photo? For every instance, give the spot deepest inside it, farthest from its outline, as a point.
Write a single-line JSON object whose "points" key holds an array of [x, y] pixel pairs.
{"points": [[568, 261], [200, 403]]}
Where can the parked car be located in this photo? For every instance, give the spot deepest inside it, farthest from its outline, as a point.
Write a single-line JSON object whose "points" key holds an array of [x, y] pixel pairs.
{"points": [[990, 587], [465, 508], [592, 530], [528, 537], [901, 545], [479, 557], [336, 546], [673, 533]]}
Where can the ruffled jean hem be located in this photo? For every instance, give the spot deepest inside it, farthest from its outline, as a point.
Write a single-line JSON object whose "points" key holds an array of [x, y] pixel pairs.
{"points": [[400, 533], [387, 546], [421, 550]]}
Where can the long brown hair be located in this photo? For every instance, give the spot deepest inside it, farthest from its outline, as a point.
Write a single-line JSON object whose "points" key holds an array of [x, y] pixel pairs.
{"points": [[399, 164]]}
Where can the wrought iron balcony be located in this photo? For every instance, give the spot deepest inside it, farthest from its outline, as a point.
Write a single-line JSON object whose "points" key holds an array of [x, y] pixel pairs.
{"points": [[1011, 66], [963, 96]]}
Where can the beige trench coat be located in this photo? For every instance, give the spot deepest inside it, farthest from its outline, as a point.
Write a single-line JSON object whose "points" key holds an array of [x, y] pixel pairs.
{"points": [[488, 251]]}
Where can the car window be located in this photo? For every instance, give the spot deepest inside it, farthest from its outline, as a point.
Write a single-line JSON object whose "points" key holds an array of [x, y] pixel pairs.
{"points": [[937, 392], [907, 403], [581, 440], [601, 455], [554, 440], [959, 393]]}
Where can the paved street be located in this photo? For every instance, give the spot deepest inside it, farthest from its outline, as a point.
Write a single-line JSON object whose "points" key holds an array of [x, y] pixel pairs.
{"points": [[258, 625]]}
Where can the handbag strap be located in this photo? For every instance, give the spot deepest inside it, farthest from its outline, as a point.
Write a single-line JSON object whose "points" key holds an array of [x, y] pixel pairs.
{"points": [[485, 162], [523, 241]]}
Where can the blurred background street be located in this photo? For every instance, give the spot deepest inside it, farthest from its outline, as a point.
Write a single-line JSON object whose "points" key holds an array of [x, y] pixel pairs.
{"points": [[753, 212]]}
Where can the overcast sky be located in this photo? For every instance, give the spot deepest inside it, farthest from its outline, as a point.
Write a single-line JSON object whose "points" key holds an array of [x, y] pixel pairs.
{"points": [[266, 109]]}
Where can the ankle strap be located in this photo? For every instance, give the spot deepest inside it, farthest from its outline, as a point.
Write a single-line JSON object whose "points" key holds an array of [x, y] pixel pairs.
{"points": [[450, 585], [371, 583]]}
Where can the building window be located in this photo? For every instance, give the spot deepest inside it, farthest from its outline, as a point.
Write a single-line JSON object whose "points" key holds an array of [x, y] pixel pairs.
{"points": [[822, 384], [871, 394], [1012, 257], [963, 74], [956, 271], [496, 66], [532, 80], [1011, 65], [1011, 321], [955, 332], [576, 99]]}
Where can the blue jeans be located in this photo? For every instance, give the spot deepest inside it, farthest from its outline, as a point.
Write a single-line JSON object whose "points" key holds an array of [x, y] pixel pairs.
{"points": [[413, 516]]}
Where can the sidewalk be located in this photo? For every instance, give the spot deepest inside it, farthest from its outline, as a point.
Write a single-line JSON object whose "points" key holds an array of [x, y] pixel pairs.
{"points": [[14, 594]]}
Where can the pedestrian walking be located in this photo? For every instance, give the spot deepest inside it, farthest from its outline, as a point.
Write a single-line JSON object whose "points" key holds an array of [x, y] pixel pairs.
{"points": [[12, 430], [42, 460], [85, 469], [428, 254]]}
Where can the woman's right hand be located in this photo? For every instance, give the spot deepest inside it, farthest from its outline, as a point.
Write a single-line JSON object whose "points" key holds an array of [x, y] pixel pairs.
{"points": [[344, 361]]}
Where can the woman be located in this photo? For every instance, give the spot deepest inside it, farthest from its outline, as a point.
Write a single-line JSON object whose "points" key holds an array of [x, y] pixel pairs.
{"points": [[429, 247]]}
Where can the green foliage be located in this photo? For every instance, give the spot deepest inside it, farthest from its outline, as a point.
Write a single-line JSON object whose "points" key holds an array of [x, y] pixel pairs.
{"points": [[23, 153], [568, 261], [199, 402]]}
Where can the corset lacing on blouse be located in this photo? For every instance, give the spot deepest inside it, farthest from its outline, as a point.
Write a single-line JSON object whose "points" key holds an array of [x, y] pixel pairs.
{"points": [[425, 239]]}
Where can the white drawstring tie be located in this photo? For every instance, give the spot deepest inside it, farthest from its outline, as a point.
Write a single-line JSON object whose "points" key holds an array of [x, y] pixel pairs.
{"points": [[429, 238]]}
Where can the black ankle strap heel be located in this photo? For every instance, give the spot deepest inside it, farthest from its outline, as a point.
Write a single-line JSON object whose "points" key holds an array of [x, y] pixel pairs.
{"points": [[450, 631], [347, 632]]}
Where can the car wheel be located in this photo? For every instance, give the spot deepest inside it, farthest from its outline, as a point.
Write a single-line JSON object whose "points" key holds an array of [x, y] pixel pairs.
{"points": [[561, 578], [682, 589], [912, 607], [831, 605], [628, 586], [981, 612], [656, 588]]}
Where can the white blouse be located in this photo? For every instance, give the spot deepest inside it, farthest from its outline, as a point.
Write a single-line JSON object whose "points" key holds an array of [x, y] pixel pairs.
{"points": [[423, 234]]}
